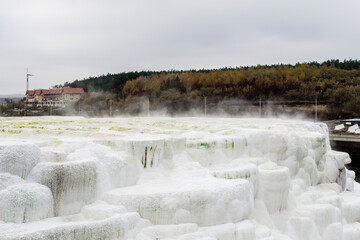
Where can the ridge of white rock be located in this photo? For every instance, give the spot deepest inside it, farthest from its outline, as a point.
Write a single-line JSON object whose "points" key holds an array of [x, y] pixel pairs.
{"points": [[18, 159], [7, 179], [73, 184], [167, 178], [173, 201], [26, 202]]}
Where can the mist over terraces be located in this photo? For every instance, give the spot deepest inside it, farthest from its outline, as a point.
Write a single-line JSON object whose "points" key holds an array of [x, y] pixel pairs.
{"points": [[283, 88]]}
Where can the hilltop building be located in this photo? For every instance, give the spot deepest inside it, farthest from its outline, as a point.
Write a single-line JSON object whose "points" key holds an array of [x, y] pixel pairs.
{"points": [[55, 97]]}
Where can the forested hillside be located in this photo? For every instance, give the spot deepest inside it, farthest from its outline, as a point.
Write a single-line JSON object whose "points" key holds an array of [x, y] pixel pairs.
{"points": [[336, 84]]}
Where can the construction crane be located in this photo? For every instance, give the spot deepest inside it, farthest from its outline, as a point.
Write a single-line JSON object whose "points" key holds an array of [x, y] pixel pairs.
{"points": [[27, 79]]}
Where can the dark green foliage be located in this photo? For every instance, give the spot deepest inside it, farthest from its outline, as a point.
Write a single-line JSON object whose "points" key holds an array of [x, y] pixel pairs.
{"points": [[173, 82], [346, 64], [110, 82]]}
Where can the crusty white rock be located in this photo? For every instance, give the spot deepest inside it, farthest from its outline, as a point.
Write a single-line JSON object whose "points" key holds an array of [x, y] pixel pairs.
{"points": [[26, 202], [174, 178]]}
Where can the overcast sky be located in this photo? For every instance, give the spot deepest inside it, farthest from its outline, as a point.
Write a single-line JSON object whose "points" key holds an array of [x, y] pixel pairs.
{"points": [[73, 39]]}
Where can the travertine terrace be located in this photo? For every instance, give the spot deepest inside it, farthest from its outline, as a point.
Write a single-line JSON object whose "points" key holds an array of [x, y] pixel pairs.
{"points": [[173, 178]]}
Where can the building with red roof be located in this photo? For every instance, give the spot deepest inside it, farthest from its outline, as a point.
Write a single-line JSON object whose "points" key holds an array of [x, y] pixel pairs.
{"points": [[56, 97], [30, 97]]}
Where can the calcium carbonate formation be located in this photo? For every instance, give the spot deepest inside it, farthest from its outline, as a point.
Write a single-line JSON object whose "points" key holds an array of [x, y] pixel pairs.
{"points": [[167, 178]]}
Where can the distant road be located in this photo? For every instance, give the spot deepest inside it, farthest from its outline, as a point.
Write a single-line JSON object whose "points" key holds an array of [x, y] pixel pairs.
{"points": [[345, 138]]}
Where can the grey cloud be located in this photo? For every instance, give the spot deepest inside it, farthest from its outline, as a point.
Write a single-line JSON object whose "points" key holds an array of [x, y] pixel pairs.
{"points": [[66, 40]]}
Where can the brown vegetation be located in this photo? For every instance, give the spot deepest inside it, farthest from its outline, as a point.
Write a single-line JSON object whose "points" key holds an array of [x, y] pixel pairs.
{"points": [[335, 84]]}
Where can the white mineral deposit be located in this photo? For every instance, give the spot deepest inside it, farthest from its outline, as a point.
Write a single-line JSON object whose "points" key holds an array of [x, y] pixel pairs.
{"points": [[339, 127], [174, 178], [353, 128]]}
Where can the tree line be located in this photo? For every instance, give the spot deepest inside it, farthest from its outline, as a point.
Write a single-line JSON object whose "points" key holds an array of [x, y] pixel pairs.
{"points": [[334, 83]]}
